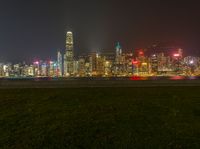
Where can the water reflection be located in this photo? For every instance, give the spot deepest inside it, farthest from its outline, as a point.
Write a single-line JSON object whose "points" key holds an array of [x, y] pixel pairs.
{"points": [[132, 78], [138, 78], [177, 78]]}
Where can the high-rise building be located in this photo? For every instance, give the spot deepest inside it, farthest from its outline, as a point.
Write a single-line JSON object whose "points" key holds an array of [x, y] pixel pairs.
{"points": [[59, 64], [1, 70], [81, 66], [52, 68], [119, 61], [93, 63], [118, 53], [100, 60], [129, 65], [154, 63], [36, 66], [76, 67], [44, 69], [178, 61], [30, 71], [69, 55], [7, 69]]}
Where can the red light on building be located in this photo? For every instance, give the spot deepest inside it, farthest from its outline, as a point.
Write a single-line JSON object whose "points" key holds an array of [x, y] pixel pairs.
{"points": [[141, 53], [176, 55], [135, 62]]}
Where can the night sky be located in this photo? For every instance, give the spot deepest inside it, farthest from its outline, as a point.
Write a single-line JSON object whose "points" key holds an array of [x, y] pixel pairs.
{"points": [[32, 29]]}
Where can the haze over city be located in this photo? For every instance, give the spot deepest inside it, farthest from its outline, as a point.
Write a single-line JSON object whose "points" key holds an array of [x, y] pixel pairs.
{"points": [[36, 29]]}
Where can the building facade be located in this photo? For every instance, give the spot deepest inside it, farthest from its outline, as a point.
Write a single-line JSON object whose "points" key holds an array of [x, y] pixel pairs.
{"points": [[69, 55]]}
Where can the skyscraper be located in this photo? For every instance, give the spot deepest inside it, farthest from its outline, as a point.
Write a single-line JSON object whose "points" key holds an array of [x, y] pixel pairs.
{"points": [[119, 60], [69, 55], [118, 53], [59, 64]]}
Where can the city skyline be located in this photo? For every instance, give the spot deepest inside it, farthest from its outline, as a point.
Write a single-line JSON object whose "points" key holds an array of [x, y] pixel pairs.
{"points": [[31, 29], [156, 47], [158, 60], [99, 74]]}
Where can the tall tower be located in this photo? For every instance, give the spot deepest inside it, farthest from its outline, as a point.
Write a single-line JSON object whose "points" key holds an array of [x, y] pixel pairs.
{"points": [[118, 53], [69, 55], [119, 62], [59, 64]]}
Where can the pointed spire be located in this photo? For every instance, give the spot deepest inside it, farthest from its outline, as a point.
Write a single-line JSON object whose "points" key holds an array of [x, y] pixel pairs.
{"points": [[118, 46]]}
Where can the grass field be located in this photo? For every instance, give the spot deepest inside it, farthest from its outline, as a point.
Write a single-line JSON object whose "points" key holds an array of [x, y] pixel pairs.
{"points": [[166, 117]]}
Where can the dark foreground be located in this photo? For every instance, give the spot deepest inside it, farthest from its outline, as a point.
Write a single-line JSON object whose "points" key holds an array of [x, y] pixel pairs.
{"points": [[159, 117], [95, 83]]}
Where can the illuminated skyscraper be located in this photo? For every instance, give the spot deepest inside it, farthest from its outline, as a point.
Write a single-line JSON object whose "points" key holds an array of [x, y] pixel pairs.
{"points": [[81, 66], [118, 53], [69, 55], [93, 63], [154, 63], [119, 60], [59, 64]]}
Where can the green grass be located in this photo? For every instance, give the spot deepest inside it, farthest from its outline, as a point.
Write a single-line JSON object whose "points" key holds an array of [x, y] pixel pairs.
{"points": [[100, 118]]}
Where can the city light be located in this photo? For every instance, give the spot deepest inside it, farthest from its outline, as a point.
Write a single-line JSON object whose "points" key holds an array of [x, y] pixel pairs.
{"points": [[141, 53], [135, 62], [191, 62], [144, 64], [116, 64], [36, 62], [176, 55]]}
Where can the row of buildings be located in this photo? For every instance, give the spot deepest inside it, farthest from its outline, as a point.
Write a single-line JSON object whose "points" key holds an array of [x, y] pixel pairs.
{"points": [[116, 63]]}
